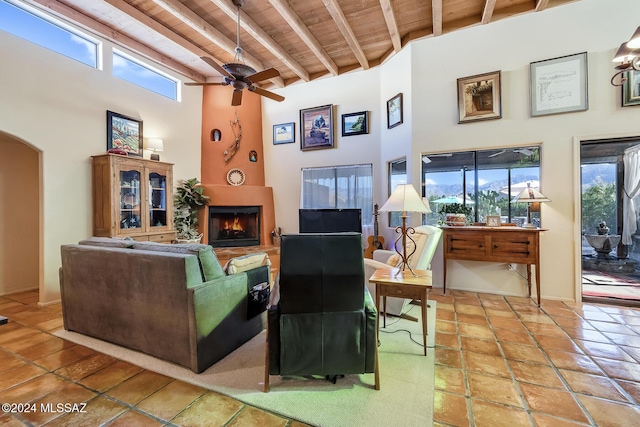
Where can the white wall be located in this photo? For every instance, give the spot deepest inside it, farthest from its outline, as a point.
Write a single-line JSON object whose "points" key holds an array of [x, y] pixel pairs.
{"points": [[59, 106], [426, 73]]}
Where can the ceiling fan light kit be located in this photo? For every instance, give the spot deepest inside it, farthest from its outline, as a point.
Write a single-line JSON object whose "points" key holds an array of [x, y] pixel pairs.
{"points": [[240, 75]]}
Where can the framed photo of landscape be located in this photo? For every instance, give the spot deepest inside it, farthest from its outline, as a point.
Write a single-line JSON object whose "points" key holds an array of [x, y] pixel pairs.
{"points": [[394, 111], [284, 133], [355, 123], [480, 97], [316, 128], [559, 85], [631, 89], [125, 133]]}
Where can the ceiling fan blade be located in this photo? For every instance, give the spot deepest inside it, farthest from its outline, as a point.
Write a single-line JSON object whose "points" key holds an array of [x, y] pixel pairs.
{"points": [[237, 97], [206, 84], [266, 93], [497, 154], [263, 75], [217, 67]]}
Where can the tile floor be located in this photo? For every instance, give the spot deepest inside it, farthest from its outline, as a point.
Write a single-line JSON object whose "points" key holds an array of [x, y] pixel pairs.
{"points": [[500, 361]]}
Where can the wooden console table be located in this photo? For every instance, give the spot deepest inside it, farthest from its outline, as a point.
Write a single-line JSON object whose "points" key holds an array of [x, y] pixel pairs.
{"points": [[516, 245]]}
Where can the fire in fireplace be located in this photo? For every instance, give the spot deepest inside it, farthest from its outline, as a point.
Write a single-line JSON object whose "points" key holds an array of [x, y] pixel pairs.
{"points": [[234, 226]]}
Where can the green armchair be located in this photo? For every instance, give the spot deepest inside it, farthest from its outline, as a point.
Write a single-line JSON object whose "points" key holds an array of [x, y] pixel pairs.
{"points": [[321, 319]]}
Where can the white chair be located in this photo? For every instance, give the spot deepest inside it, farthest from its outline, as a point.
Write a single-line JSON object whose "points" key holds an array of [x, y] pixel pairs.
{"points": [[427, 238]]}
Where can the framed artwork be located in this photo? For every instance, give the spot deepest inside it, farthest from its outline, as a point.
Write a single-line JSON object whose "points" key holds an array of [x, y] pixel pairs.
{"points": [[284, 133], [125, 133], [316, 128], [480, 97], [355, 123], [559, 85], [394, 111], [631, 89]]}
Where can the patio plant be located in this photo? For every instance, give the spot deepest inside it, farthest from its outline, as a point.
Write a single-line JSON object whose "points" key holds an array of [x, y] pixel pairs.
{"points": [[188, 200], [454, 208]]}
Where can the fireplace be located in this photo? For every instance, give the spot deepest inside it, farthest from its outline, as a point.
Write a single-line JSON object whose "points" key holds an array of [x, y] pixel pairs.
{"points": [[234, 226]]}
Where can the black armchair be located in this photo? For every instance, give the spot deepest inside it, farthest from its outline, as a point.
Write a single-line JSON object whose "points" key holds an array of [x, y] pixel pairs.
{"points": [[321, 318]]}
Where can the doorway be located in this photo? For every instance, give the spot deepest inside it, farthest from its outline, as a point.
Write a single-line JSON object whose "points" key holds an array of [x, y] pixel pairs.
{"points": [[609, 173]]}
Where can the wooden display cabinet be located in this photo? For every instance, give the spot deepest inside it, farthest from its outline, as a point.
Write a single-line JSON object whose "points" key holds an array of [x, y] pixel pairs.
{"points": [[132, 197]]}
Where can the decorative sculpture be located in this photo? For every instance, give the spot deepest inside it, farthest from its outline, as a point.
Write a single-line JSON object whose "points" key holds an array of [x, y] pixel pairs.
{"points": [[233, 148]]}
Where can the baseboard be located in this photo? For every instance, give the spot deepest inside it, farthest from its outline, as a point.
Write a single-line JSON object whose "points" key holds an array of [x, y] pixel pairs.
{"points": [[44, 304]]}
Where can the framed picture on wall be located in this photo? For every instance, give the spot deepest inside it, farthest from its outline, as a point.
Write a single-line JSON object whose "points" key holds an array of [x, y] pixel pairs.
{"points": [[124, 133], [284, 133], [316, 128], [631, 89], [394, 111], [559, 85], [480, 97], [355, 123]]}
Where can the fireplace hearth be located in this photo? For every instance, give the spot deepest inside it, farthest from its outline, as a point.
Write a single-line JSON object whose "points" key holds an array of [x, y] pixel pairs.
{"points": [[234, 226]]}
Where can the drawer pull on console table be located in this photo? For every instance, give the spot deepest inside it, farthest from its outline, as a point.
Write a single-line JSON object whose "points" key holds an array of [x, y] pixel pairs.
{"points": [[504, 244]]}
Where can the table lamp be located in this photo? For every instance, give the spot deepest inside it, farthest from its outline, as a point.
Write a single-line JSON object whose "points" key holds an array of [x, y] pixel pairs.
{"points": [[405, 199], [530, 195], [156, 145]]}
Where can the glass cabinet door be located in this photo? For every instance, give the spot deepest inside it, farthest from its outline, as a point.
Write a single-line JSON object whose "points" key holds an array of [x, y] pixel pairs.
{"points": [[130, 199], [157, 200]]}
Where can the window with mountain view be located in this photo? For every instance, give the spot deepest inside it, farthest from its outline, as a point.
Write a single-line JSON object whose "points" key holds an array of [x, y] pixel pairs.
{"points": [[485, 180]]}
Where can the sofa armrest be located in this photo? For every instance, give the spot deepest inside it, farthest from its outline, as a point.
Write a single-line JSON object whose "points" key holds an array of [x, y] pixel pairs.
{"points": [[382, 255]]}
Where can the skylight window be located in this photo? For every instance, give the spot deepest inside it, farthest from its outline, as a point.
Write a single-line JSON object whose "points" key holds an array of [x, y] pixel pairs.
{"points": [[138, 73], [36, 27]]}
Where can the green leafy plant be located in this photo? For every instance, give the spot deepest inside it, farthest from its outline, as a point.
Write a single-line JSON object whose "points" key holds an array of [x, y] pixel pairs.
{"points": [[454, 208], [187, 201]]}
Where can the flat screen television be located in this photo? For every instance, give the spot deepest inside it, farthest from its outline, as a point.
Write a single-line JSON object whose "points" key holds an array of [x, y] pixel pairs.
{"points": [[330, 220]]}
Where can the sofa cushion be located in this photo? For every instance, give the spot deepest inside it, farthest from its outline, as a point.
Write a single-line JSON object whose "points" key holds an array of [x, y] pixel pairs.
{"points": [[108, 242], [209, 264], [246, 262]]}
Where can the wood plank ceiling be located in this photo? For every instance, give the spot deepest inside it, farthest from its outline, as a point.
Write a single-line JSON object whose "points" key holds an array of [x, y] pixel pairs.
{"points": [[302, 39]]}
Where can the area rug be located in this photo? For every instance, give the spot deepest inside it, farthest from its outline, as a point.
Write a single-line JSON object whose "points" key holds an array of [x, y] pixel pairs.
{"points": [[405, 397]]}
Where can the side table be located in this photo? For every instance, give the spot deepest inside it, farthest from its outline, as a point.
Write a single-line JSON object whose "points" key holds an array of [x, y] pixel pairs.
{"points": [[393, 283]]}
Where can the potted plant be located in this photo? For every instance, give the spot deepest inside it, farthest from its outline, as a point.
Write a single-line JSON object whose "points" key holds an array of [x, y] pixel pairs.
{"points": [[188, 200], [455, 214]]}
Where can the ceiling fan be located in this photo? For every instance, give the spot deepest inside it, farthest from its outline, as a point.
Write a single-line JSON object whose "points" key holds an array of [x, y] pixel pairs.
{"points": [[525, 151], [238, 74]]}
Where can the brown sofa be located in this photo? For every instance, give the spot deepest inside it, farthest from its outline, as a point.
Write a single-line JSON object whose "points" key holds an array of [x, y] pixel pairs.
{"points": [[174, 302]]}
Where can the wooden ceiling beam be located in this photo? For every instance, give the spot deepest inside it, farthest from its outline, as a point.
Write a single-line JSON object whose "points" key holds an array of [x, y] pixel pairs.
{"points": [[392, 24], [489, 7], [436, 16], [262, 37], [541, 5], [294, 21], [338, 17], [67, 13]]}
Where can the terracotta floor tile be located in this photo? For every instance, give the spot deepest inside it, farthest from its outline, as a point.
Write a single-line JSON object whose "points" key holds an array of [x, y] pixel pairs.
{"points": [[133, 418], [524, 353], [111, 376], [450, 409], [472, 318], [486, 364], [68, 393], [559, 311], [210, 409], [507, 314], [448, 357], [573, 361], [97, 412], [447, 327], [545, 329], [9, 361], [450, 379], [32, 389], [19, 375], [572, 322], [521, 337], [618, 369], [607, 413], [445, 315], [608, 351], [170, 400], [476, 331], [632, 388], [139, 387], [616, 328], [543, 420], [254, 417], [45, 348], [554, 402], [8, 420], [85, 367], [50, 325], [64, 357], [436, 295], [511, 324], [536, 318], [557, 343], [446, 307], [624, 339], [16, 334], [30, 341], [469, 309], [495, 389], [478, 345], [447, 340], [488, 414], [598, 316], [587, 335], [536, 374], [593, 385]]}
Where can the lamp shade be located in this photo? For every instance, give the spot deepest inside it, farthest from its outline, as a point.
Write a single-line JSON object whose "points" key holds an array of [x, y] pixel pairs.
{"points": [[624, 54], [155, 144], [530, 195], [634, 41], [405, 199]]}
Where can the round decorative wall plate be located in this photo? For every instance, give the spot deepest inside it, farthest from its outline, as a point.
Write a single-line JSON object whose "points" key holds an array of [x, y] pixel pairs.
{"points": [[235, 176]]}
